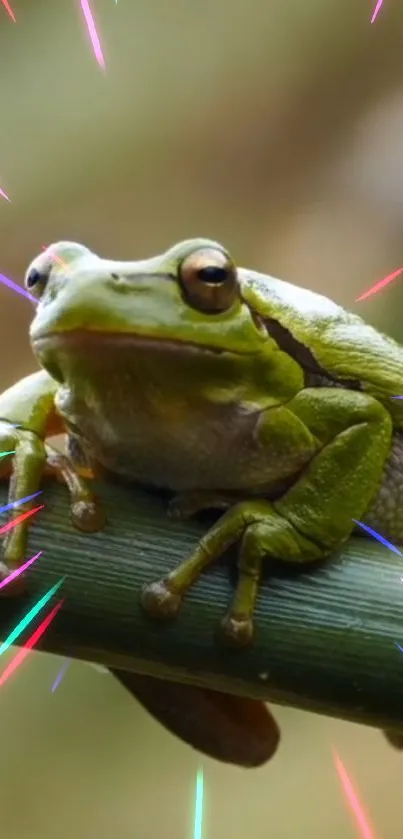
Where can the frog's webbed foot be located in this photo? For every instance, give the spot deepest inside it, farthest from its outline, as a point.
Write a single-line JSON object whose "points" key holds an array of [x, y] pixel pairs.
{"points": [[30, 458], [184, 505]]}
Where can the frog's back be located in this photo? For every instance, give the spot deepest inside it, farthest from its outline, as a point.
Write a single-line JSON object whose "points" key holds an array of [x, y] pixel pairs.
{"points": [[340, 343]]}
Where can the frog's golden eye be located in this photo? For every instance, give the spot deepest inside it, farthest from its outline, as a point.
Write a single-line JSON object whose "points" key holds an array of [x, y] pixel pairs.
{"points": [[209, 280], [35, 281]]}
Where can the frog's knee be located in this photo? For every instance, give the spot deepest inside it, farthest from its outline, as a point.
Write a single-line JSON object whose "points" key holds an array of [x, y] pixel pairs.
{"points": [[373, 410], [249, 512]]}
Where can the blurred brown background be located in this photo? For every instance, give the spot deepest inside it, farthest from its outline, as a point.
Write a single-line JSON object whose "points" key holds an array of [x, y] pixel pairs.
{"points": [[276, 127]]}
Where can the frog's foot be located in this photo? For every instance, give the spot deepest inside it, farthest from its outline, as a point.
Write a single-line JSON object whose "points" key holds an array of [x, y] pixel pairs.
{"points": [[86, 513], [188, 504], [237, 627], [159, 601], [237, 630]]}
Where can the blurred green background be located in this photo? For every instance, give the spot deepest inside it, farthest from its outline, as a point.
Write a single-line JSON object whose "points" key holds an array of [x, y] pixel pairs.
{"points": [[276, 127]]}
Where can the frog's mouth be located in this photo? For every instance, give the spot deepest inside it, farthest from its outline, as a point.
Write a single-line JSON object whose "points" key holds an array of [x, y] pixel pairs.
{"points": [[70, 356], [82, 339]]}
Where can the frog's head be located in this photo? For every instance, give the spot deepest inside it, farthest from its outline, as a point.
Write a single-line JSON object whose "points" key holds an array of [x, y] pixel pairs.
{"points": [[190, 296]]}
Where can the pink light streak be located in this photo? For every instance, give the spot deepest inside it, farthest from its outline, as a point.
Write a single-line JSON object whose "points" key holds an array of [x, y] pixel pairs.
{"points": [[4, 195], [19, 570], [9, 10], [96, 44], [376, 10], [379, 286], [56, 258], [19, 519], [32, 641], [353, 801]]}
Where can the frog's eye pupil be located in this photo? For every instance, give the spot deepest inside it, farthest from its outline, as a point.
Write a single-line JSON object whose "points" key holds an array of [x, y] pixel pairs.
{"points": [[33, 278], [213, 274]]}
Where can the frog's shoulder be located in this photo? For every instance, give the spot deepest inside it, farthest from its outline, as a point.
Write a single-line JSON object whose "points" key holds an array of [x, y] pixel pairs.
{"points": [[340, 342], [272, 297]]}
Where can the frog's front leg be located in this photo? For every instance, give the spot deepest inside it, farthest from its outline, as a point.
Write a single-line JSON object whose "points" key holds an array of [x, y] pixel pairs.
{"points": [[310, 520], [32, 459], [27, 416]]}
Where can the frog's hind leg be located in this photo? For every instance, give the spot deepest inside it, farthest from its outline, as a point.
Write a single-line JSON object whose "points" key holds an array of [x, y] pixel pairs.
{"points": [[262, 533], [313, 517]]}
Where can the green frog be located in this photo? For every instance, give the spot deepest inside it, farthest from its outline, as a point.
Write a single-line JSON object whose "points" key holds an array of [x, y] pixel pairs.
{"points": [[229, 388]]}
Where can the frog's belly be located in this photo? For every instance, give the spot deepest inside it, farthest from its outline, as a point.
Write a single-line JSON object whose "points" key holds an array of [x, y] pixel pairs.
{"points": [[195, 459], [182, 451]]}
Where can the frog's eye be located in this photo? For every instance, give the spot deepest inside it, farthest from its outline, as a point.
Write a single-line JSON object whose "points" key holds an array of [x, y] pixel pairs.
{"points": [[35, 281], [209, 280]]}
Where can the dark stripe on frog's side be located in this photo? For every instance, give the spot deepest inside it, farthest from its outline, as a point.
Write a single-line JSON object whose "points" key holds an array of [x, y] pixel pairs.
{"points": [[315, 375], [385, 515]]}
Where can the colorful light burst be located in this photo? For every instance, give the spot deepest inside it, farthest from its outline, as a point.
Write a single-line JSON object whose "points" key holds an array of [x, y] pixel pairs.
{"points": [[198, 819], [32, 641], [16, 573], [9, 10], [61, 674], [353, 801], [20, 518], [378, 537], [379, 285], [18, 288], [14, 504], [376, 10], [26, 620], [92, 31]]}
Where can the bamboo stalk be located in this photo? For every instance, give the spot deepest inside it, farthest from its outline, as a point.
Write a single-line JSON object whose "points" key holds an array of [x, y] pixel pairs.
{"points": [[325, 637]]}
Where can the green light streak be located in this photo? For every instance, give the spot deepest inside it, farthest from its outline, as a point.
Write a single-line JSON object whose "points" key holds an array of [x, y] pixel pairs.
{"points": [[197, 833]]}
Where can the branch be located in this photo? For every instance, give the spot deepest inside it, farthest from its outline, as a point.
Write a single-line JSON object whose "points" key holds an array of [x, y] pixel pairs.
{"points": [[325, 637]]}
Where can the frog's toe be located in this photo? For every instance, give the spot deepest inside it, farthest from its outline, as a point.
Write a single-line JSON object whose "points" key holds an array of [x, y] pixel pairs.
{"points": [[159, 602], [15, 587], [88, 516], [237, 630]]}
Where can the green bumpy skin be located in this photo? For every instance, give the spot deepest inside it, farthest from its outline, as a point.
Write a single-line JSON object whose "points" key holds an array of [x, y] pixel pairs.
{"points": [[229, 388]]}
